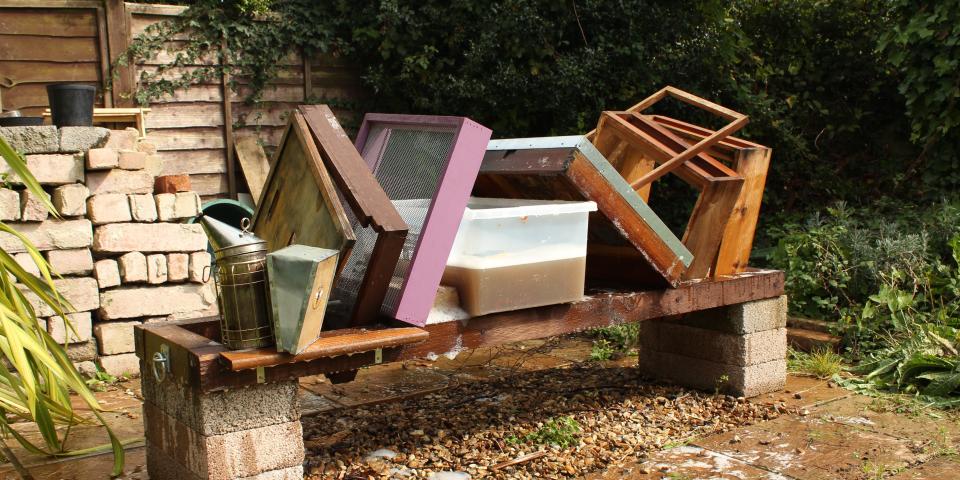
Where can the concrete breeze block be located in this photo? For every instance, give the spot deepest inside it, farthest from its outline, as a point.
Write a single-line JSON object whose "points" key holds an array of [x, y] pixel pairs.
{"points": [[748, 381], [178, 267], [135, 302], [39, 139], [124, 364], [186, 205], [125, 139], [133, 267], [143, 207], [71, 200], [132, 160], [9, 205], [50, 235], [156, 268], [82, 352], [82, 328], [81, 292], [220, 412], [727, 348], [32, 208], [107, 273], [161, 466], [742, 318], [78, 261], [50, 169], [81, 139], [119, 181], [166, 203], [149, 237], [115, 337], [26, 261], [109, 208], [102, 159], [200, 268]]}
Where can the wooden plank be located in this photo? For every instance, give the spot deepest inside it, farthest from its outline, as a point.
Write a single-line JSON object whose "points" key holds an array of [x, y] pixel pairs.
{"points": [[330, 344], [734, 256], [52, 3], [28, 72], [284, 76], [103, 45], [194, 138], [185, 115], [228, 126], [155, 9], [705, 229], [118, 40], [48, 23], [253, 164], [139, 22], [193, 162], [40, 48], [29, 95], [208, 183]]}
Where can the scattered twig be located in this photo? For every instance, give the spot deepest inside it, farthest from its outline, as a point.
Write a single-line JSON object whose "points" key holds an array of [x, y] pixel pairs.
{"points": [[519, 460]]}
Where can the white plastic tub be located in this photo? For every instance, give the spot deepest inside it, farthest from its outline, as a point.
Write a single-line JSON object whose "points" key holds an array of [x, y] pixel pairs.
{"points": [[513, 254]]}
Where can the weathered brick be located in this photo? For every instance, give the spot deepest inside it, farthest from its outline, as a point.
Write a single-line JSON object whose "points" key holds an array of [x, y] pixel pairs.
{"points": [[50, 168], [71, 200], [149, 237], [143, 207], [81, 293], [149, 148], [166, 206], [49, 235], [81, 139], [156, 268], [32, 208], [115, 337], [107, 273], [125, 139], [124, 364], [77, 261], [133, 267], [9, 205], [178, 267], [40, 139], [172, 184], [135, 302], [102, 159], [81, 332], [119, 181], [186, 205], [132, 160], [26, 261], [109, 208], [200, 266]]}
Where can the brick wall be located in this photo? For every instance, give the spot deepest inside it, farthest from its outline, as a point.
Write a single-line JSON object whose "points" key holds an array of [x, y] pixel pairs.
{"points": [[123, 254]]}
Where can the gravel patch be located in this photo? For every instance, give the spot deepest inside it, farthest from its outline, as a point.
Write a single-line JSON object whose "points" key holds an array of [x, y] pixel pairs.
{"points": [[478, 428]]}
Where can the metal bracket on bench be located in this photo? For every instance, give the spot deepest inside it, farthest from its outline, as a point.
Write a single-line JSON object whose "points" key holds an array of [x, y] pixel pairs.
{"points": [[378, 356]]}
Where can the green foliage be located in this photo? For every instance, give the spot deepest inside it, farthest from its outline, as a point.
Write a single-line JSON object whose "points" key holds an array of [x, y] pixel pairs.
{"points": [[822, 362], [610, 342], [36, 377], [562, 432]]}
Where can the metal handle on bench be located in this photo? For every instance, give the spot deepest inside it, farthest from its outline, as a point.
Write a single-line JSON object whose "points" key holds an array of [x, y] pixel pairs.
{"points": [[161, 363]]}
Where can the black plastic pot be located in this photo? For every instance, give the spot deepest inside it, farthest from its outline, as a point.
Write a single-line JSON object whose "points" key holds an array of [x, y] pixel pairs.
{"points": [[20, 121], [71, 105]]}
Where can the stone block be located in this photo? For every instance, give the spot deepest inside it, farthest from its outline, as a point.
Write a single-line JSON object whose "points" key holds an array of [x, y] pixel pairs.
{"points": [[124, 364], [133, 160], [81, 332], [178, 267], [166, 203], [81, 293], [82, 352], [40, 139], [143, 207], [125, 139], [160, 466], [747, 317], [172, 184], [86, 368], [149, 148], [727, 348], [109, 208], [9, 205], [102, 159], [50, 168], [136, 302], [133, 267], [221, 412], [119, 181], [200, 268], [186, 205], [71, 200], [115, 337], [50, 235], [748, 381], [149, 237], [77, 261], [107, 273], [32, 208], [156, 268], [228, 456], [81, 139], [26, 261]]}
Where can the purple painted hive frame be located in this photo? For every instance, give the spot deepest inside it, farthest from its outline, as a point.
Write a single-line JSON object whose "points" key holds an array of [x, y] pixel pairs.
{"points": [[446, 208]]}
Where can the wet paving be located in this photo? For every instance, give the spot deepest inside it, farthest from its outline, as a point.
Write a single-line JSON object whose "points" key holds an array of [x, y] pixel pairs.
{"points": [[825, 432]]}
